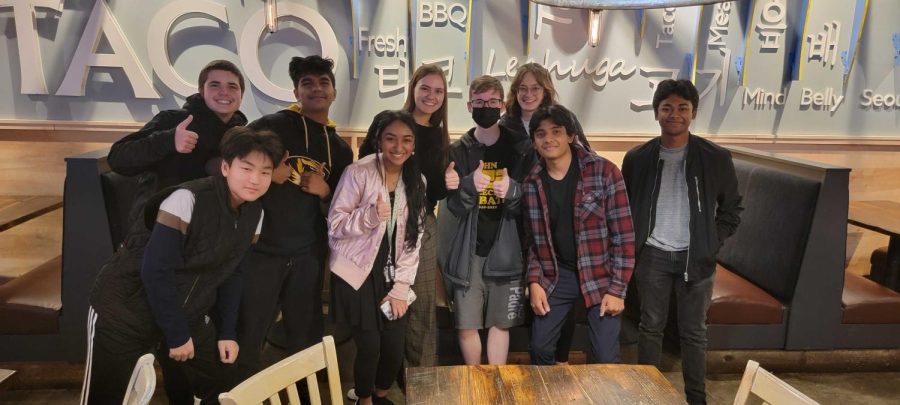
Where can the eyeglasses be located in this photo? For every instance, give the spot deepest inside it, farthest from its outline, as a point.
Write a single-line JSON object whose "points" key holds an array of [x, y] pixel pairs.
{"points": [[530, 90], [492, 103]]}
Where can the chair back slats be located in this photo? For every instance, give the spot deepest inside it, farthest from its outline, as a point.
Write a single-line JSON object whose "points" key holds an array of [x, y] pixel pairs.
{"points": [[334, 377], [768, 387], [294, 396], [143, 382], [313, 384], [775, 391], [284, 375]]}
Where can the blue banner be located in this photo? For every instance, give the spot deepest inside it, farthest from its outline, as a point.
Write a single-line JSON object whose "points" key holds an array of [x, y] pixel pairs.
{"points": [[796, 51], [848, 57]]}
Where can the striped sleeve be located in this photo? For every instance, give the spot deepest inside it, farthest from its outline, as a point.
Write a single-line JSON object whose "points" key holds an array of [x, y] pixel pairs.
{"points": [[163, 255], [176, 210]]}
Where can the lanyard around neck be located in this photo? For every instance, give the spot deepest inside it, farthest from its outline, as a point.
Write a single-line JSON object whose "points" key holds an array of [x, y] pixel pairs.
{"points": [[395, 208]]}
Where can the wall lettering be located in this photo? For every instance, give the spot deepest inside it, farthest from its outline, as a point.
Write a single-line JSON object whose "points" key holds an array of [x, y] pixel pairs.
{"points": [[772, 25], [438, 14], [828, 99], [872, 99]]}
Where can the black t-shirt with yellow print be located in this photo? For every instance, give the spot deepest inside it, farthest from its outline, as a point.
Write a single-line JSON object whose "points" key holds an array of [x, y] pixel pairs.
{"points": [[497, 157]]}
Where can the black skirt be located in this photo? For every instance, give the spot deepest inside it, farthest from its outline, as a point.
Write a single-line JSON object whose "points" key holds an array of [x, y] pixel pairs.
{"points": [[361, 308]]}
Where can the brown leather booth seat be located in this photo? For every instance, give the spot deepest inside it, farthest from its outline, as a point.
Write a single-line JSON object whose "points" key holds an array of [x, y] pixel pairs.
{"points": [[865, 301], [738, 301], [30, 303]]}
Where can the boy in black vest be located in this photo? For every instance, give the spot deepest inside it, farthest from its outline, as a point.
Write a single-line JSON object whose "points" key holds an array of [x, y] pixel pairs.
{"points": [[284, 270], [177, 264]]}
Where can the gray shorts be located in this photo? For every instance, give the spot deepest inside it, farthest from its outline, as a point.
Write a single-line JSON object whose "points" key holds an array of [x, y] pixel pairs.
{"points": [[495, 302]]}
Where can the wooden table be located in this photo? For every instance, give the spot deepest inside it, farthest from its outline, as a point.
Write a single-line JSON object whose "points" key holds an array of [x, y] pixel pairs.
{"points": [[16, 210], [882, 217], [5, 374], [539, 385]]}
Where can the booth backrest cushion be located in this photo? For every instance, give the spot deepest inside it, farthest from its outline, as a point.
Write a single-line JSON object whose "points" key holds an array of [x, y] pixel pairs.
{"points": [[118, 193], [769, 244]]}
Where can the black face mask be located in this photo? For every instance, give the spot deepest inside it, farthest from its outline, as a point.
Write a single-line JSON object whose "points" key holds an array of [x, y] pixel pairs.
{"points": [[486, 117]]}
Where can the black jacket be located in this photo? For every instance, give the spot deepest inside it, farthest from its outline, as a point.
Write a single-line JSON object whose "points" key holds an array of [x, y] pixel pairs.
{"points": [[150, 152], [214, 243], [713, 197], [459, 226]]}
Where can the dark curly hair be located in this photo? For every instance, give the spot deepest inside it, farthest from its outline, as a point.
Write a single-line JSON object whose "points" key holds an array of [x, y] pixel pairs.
{"points": [[557, 114], [313, 64]]}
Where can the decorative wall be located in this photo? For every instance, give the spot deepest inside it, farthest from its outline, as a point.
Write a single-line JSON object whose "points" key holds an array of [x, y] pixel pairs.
{"points": [[765, 68]]}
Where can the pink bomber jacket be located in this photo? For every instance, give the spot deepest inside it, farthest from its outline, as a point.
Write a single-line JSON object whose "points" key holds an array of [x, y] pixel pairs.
{"points": [[355, 232]]}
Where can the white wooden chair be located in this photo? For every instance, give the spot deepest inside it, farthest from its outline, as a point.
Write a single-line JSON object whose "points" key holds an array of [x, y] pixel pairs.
{"points": [[142, 383], [282, 377], [767, 387]]}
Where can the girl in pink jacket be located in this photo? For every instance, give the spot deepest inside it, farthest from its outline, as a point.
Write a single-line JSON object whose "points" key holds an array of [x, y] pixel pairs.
{"points": [[375, 225]]}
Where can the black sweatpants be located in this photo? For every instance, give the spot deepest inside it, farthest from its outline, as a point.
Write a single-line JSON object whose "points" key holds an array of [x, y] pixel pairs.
{"points": [[112, 355], [379, 356], [272, 283]]}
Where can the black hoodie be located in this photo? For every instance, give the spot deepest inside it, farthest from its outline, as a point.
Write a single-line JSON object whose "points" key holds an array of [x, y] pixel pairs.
{"points": [[150, 152], [295, 219]]}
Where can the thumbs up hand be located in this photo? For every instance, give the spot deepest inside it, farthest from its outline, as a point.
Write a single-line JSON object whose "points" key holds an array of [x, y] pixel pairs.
{"points": [[282, 171], [501, 187], [185, 140], [451, 178], [480, 179], [383, 208]]}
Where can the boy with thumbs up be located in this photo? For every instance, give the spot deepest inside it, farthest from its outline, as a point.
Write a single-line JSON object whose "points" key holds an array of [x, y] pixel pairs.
{"points": [[483, 269], [182, 145]]}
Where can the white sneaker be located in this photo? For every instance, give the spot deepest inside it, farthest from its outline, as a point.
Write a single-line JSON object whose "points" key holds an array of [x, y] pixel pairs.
{"points": [[351, 394]]}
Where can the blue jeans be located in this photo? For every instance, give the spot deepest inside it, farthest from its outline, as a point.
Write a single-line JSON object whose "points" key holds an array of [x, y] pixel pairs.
{"points": [[657, 274], [545, 330]]}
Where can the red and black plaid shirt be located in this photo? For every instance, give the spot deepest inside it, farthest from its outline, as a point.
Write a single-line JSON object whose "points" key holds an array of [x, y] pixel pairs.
{"points": [[604, 234]]}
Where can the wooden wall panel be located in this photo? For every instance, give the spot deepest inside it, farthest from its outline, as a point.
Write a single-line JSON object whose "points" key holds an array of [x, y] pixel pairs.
{"points": [[38, 168]]}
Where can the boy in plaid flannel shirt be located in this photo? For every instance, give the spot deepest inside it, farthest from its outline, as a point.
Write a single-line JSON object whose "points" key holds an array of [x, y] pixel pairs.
{"points": [[580, 237]]}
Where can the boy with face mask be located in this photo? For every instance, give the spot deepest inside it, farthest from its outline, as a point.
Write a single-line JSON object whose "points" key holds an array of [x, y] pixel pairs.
{"points": [[483, 269]]}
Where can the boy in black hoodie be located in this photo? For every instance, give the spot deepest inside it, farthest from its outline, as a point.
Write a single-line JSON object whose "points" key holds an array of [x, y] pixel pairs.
{"points": [[483, 266], [182, 145], [284, 270]]}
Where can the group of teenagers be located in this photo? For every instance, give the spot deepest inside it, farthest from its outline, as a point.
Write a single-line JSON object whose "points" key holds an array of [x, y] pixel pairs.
{"points": [[236, 223]]}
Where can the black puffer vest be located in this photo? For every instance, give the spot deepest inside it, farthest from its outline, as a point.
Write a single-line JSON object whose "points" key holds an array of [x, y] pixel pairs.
{"points": [[216, 239]]}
